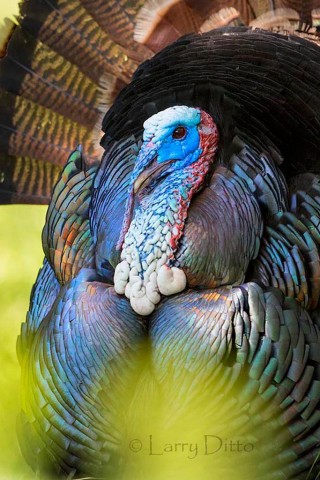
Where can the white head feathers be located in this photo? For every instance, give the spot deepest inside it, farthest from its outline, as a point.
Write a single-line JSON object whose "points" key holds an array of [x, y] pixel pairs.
{"points": [[159, 125]]}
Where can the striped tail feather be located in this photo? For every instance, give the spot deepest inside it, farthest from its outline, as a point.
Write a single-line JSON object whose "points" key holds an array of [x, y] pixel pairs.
{"points": [[71, 31], [298, 17], [284, 17], [118, 18], [34, 143], [303, 7], [22, 136], [289, 22], [48, 79], [25, 180], [160, 22]]}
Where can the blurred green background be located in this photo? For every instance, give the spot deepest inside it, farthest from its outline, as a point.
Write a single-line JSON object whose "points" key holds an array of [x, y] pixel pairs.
{"points": [[20, 259]]}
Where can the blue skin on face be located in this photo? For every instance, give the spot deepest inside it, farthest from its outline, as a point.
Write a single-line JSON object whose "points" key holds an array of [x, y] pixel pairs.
{"points": [[185, 150]]}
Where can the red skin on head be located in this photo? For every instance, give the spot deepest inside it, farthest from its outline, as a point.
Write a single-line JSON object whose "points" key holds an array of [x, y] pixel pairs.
{"points": [[209, 138]]}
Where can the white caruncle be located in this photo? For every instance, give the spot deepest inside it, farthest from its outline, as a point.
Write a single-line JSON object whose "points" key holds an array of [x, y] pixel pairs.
{"points": [[171, 280], [144, 274]]}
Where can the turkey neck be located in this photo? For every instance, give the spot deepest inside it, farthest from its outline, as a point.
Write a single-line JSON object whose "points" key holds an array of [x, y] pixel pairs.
{"points": [[159, 220], [149, 247]]}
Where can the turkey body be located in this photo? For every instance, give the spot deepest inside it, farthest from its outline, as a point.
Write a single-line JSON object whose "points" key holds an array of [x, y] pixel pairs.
{"points": [[242, 338]]}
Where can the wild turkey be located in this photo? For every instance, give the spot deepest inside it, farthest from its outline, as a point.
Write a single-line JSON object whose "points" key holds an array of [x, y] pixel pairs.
{"points": [[183, 269]]}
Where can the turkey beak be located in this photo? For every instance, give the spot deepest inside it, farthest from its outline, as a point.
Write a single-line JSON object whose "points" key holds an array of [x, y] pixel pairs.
{"points": [[149, 174]]}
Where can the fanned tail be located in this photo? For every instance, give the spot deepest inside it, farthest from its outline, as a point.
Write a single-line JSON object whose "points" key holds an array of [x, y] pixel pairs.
{"points": [[160, 22], [291, 21], [67, 60], [53, 82]]}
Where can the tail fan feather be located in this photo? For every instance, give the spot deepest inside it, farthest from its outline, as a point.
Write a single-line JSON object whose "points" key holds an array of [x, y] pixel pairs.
{"points": [[26, 180], [275, 18], [316, 13], [225, 16], [160, 22], [50, 94], [32, 70], [248, 9], [22, 136], [287, 21], [68, 29], [118, 18], [303, 7]]}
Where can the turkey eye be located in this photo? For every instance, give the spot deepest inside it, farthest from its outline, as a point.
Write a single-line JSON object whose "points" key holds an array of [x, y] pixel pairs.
{"points": [[179, 133]]}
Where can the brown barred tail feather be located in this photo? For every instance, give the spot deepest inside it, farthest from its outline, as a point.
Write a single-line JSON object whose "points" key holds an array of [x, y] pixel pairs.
{"points": [[160, 22], [26, 180], [118, 19], [303, 7]]}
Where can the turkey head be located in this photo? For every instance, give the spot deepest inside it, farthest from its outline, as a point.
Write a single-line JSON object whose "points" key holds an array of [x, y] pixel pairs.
{"points": [[178, 153]]}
